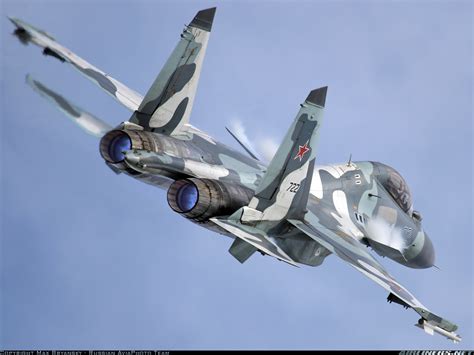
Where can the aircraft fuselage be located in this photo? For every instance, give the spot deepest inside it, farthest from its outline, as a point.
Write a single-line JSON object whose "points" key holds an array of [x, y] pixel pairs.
{"points": [[359, 198]]}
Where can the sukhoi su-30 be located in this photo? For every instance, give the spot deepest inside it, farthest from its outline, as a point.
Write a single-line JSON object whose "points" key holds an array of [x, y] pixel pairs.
{"points": [[290, 209]]}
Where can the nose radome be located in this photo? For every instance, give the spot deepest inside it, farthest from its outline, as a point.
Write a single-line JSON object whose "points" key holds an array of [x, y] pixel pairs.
{"points": [[426, 258]]}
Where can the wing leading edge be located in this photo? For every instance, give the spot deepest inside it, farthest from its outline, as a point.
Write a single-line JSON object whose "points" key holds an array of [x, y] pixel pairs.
{"points": [[27, 33], [354, 253]]}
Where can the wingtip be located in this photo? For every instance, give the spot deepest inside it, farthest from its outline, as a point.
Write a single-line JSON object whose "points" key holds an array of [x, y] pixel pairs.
{"points": [[12, 19], [204, 19], [318, 96], [31, 81], [18, 23]]}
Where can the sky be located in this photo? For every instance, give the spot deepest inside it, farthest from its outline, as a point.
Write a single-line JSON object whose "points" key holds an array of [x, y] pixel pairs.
{"points": [[92, 260]]}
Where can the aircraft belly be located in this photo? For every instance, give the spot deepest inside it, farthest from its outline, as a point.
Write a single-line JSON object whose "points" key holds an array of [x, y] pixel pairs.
{"points": [[159, 181]]}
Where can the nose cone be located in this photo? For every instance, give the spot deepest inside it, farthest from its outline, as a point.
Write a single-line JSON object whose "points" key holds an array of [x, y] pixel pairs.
{"points": [[426, 257]]}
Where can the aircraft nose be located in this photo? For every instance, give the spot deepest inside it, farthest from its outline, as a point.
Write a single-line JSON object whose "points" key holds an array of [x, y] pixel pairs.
{"points": [[426, 257]]}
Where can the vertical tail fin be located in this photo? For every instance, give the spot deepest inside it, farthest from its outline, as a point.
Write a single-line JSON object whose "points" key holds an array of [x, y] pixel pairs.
{"points": [[284, 190], [168, 103]]}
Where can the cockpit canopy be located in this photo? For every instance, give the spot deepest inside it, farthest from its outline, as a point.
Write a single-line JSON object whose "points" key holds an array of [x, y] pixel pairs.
{"points": [[395, 185]]}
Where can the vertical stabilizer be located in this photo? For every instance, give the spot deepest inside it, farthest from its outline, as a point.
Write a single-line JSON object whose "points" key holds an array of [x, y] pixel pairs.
{"points": [[284, 190], [168, 103]]}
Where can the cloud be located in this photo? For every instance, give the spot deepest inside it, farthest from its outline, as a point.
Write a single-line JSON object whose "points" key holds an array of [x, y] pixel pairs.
{"points": [[237, 127], [266, 146]]}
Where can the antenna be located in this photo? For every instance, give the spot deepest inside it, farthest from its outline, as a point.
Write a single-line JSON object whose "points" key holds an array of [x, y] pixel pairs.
{"points": [[349, 163], [247, 149]]}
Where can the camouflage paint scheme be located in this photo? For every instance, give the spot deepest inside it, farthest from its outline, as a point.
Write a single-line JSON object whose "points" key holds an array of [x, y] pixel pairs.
{"points": [[297, 212]]}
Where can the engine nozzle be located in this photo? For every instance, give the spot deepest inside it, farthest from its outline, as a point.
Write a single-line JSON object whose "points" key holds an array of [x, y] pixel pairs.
{"points": [[201, 199], [118, 146], [116, 143]]}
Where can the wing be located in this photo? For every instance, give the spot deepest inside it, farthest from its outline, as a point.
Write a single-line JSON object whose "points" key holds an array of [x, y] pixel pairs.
{"points": [[353, 252], [168, 103], [88, 122], [258, 238], [27, 33]]}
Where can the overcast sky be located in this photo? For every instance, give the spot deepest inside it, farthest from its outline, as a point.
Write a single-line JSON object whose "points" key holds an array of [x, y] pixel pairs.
{"points": [[94, 260]]}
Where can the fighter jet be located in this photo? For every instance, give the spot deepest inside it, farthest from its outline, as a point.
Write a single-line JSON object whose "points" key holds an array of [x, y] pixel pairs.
{"points": [[290, 209]]}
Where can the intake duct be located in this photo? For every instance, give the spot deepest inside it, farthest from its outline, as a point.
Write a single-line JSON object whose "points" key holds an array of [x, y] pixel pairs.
{"points": [[201, 199]]}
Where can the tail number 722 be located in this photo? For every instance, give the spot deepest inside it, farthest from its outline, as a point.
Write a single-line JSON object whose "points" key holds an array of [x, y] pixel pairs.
{"points": [[294, 187]]}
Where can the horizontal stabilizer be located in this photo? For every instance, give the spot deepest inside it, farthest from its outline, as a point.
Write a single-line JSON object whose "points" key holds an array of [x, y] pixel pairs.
{"points": [[255, 237], [241, 250], [88, 122]]}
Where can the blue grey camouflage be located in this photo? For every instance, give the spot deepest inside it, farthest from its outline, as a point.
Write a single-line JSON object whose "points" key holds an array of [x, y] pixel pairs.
{"points": [[292, 209]]}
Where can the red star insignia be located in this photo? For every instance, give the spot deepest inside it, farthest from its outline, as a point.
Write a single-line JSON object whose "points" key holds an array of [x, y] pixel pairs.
{"points": [[303, 149]]}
